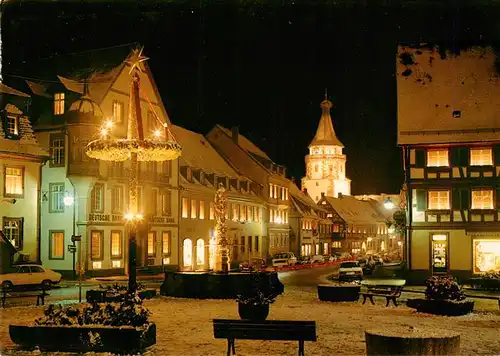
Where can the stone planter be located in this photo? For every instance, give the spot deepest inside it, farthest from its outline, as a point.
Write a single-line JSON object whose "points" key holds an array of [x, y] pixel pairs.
{"points": [[338, 293], [98, 338], [253, 312], [410, 341], [102, 295], [441, 307]]}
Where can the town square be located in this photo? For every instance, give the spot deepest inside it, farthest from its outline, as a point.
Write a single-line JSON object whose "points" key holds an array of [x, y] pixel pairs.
{"points": [[249, 178]]}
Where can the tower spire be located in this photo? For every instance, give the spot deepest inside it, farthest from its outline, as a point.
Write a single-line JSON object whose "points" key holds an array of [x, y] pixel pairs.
{"points": [[325, 134]]}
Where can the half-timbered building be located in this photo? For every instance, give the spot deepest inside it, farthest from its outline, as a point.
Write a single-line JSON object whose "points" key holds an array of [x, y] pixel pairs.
{"points": [[449, 131]]}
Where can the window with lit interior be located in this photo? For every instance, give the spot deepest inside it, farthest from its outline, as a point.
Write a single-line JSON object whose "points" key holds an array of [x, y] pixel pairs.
{"points": [[439, 200], [12, 125], [96, 238], [116, 244], [481, 157], [482, 199], [56, 245], [14, 182], [486, 255], [437, 158], [200, 252], [59, 104], [165, 242], [117, 112], [13, 231], [151, 243]]}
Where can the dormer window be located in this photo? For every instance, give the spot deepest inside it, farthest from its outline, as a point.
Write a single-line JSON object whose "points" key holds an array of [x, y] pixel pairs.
{"points": [[12, 125], [59, 104]]}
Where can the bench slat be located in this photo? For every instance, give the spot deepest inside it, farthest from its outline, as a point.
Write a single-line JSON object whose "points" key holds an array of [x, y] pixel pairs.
{"points": [[266, 330]]}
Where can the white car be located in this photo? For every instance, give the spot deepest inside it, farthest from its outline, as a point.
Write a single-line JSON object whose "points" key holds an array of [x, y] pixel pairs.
{"points": [[30, 274], [318, 259], [284, 259], [350, 271]]}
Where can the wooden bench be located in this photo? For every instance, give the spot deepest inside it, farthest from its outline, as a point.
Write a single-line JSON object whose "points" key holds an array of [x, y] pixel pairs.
{"points": [[388, 292], [264, 330], [40, 295]]}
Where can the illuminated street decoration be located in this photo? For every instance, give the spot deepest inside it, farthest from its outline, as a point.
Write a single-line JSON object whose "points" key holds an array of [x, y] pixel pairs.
{"points": [[219, 243], [136, 148]]}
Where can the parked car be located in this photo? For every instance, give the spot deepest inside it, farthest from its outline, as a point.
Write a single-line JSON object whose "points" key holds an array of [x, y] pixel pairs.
{"points": [[284, 259], [329, 258], [30, 274], [350, 271], [304, 260], [317, 259], [255, 264]]}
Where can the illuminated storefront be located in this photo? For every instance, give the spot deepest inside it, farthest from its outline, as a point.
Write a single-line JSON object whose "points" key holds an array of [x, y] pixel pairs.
{"points": [[486, 254]]}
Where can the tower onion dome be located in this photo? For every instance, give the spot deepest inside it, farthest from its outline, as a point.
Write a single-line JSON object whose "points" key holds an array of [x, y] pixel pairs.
{"points": [[84, 110]]}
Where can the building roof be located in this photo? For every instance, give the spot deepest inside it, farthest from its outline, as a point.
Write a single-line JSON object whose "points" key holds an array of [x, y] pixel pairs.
{"points": [[355, 211], [197, 152], [446, 97], [325, 134], [4, 89], [246, 144]]}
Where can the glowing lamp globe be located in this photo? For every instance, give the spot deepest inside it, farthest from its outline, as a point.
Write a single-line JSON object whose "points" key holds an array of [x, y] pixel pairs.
{"points": [[68, 201]]}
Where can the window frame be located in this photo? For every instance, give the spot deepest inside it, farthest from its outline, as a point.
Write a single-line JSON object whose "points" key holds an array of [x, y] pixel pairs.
{"points": [[427, 157], [193, 209], [10, 195], [118, 120], [120, 255], [117, 209], [57, 137], [92, 198], [438, 191], [481, 149], [166, 205], [201, 211], [15, 118], [59, 99], [154, 244], [20, 220], [51, 256], [52, 210], [490, 190], [185, 203], [101, 243], [169, 244]]}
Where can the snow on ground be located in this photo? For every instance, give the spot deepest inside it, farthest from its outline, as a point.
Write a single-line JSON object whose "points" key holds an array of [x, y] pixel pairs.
{"points": [[184, 326]]}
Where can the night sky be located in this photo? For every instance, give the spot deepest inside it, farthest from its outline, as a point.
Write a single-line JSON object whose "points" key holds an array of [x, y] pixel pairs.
{"points": [[263, 65]]}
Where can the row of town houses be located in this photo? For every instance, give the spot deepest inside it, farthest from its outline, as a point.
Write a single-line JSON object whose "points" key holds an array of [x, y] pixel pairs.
{"points": [[52, 192]]}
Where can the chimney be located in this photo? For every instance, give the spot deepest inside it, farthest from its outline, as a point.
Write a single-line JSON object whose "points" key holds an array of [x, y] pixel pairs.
{"points": [[304, 190], [235, 133], [322, 194], [339, 195]]}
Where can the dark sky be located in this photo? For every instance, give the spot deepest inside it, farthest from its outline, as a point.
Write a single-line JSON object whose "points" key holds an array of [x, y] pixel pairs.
{"points": [[264, 65]]}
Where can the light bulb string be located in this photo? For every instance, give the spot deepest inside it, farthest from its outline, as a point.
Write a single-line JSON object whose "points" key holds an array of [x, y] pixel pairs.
{"points": [[164, 124]]}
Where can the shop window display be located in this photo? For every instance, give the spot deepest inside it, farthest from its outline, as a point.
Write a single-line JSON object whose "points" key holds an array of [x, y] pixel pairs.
{"points": [[486, 256]]}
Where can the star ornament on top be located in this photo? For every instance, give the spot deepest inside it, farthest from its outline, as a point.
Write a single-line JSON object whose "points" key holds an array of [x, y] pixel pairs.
{"points": [[136, 58]]}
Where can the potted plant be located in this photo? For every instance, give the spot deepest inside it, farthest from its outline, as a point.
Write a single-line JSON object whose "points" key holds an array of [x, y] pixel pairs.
{"points": [[253, 302], [489, 281], [443, 296], [116, 292]]}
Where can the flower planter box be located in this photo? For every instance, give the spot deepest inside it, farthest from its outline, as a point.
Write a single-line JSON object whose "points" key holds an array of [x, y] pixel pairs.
{"points": [[96, 338], [411, 341], [441, 307], [338, 293], [102, 295]]}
